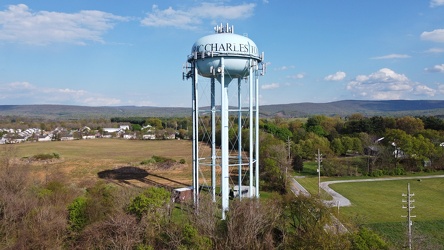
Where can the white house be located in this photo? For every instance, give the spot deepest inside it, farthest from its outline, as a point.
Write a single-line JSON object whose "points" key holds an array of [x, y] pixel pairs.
{"points": [[124, 127], [129, 136], [111, 130], [89, 137], [67, 138], [45, 138], [149, 137]]}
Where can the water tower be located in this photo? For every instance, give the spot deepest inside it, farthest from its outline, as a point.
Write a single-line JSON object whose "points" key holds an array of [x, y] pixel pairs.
{"points": [[219, 147]]}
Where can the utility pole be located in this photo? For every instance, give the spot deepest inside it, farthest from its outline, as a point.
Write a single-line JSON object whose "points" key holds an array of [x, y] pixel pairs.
{"points": [[289, 156], [409, 216], [319, 160], [289, 147]]}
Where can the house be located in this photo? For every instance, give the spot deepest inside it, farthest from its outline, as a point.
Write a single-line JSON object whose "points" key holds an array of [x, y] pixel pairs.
{"points": [[15, 140], [170, 136], [124, 127], [45, 138], [111, 130], [129, 136], [399, 154], [86, 129], [67, 138], [149, 137], [89, 137]]}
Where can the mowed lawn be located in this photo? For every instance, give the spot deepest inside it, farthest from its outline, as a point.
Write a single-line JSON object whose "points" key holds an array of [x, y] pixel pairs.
{"points": [[82, 160], [379, 205]]}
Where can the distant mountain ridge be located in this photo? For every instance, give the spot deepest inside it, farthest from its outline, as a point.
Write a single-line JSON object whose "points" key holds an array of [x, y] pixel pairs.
{"points": [[306, 109], [347, 107]]}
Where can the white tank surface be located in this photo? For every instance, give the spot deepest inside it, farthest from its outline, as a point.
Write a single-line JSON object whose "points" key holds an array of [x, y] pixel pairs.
{"points": [[236, 50]]}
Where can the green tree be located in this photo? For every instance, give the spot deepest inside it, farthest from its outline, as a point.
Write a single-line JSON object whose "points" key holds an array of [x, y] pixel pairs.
{"points": [[298, 163], [274, 162], [136, 127], [409, 124], [155, 122], [151, 202], [337, 147], [308, 147]]}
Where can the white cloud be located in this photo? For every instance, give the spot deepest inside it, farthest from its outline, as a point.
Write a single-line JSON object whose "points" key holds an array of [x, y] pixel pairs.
{"points": [[283, 68], [436, 3], [385, 84], [19, 24], [424, 90], [297, 76], [391, 56], [434, 36], [26, 93], [188, 18], [435, 50], [436, 68], [270, 86], [338, 76], [441, 88]]}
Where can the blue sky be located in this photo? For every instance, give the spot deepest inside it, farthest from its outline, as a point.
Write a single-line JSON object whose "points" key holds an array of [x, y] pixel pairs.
{"points": [[117, 53]]}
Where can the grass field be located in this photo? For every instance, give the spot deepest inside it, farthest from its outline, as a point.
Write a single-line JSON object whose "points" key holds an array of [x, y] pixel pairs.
{"points": [[82, 160], [378, 205]]}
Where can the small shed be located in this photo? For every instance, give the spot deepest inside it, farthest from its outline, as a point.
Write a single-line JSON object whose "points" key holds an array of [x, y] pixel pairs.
{"points": [[244, 191], [182, 194]]}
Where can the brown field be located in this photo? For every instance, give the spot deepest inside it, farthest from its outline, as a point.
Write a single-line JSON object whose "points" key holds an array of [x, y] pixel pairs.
{"points": [[84, 162]]}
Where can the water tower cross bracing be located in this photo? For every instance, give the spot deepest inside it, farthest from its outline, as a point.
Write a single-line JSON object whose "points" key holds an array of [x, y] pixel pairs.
{"points": [[219, 145]]}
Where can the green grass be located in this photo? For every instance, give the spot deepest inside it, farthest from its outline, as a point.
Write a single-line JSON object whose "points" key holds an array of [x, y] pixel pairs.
{"points": [[379, 206], [382, 199]]}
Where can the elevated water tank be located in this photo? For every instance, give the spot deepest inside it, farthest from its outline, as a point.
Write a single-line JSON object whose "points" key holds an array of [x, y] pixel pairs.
{"points": [[236, 50]]}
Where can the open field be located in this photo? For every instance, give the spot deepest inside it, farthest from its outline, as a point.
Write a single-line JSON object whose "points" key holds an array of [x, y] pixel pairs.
{"points": [[379, 205], [81, 161]]}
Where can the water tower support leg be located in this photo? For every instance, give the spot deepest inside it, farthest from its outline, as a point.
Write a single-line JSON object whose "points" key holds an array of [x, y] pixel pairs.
{"points": [[256, 87], [239, 136], [251, 114], [195, 140], [213, 140], [224, 141]]}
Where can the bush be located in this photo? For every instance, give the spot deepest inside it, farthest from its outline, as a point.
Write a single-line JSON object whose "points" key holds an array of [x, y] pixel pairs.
{"points": [[150, 201], [77, 214], [161, 161], [367, 239], [43, 157], [149, 161]]}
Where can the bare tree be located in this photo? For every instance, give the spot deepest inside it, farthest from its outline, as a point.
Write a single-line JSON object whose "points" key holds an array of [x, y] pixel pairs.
{"points": [[251, 224]]}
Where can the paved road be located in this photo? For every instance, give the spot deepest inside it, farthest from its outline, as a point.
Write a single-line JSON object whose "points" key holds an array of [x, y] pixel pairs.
{"points": [[340, 200], [297, 188]]}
